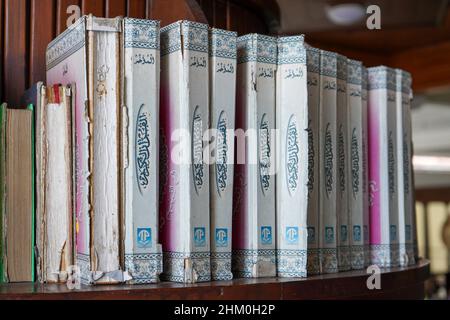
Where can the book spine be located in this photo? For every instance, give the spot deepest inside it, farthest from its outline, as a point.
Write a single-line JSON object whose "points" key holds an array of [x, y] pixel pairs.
{"points": [[365, 167], [222, 80], [141, 63], [356, 145], [64, 59], [254, 232], [313, 66], [328, 162], [383, 179], [292, 146], [342, 161], [3, 276], [186, 192]]}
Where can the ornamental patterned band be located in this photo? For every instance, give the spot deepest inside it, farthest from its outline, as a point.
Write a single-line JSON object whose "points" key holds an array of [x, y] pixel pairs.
{"points": [[382, 78], [357, 257], [405, 86], [291, 263], [341, 67], [364, 79], [354, 72], [313, 59], [144, 268], [223, 44], [174, 266], [141, 33], [384, 255], [291, 50], [170, 38], [67, 43], [328, 63], [244, 261], [256, 47], [221, 266], [328, 257]]}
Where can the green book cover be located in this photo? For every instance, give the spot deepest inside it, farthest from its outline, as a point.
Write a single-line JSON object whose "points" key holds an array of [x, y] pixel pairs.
{"points": [[2, 186]]}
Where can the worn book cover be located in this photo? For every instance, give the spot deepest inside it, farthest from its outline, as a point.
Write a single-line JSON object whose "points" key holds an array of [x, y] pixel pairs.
{"points": [[17, 205], [254, 200], [404, 168], [343, 165], [292, 147], [222, 81], [383, 167], [2, 190], [88, 55], [328, 162], [313, 78], [141, 73], [185, 190], [365, 166]]}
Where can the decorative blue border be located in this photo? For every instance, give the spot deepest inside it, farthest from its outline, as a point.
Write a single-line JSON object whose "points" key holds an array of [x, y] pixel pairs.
{"points": [[341, 67], [195, 36], [364, 79], [174, 266], [328, 63], [257, 47], [291, 50], [244, 260], [354, 72], [83, 261], [385, 255], [357, 257], [222, 43], [141, 33], [313, 59], [291, 263], [221, 269], [144, 268], [170, 38], [67, 43], [406, 81], [329, 260], [382, 78], [344, 258]]}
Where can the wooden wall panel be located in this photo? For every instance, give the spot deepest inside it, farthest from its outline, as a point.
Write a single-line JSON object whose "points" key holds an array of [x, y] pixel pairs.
{"points": [[61, 13], [2, 47], [137, 8], [42, 31], [15, 68], [95, 7], [115, 8]]}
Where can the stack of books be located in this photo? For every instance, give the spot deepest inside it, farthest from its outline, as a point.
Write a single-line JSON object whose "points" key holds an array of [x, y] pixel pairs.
{"points": [[189, 154]]}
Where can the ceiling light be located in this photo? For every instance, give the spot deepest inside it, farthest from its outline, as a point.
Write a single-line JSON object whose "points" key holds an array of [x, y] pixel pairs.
{"points": [[345, 14]]}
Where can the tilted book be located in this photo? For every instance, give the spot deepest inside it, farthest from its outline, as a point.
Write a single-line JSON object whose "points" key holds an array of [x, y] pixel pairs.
{"points": [[404, 168], [88, 55], [254, 200], [356, 202], [17, 195], [313, 74], [342, 162], [383, 167], [328, 162], [292, 145], [184, 209], [222, 81], [54, 180], [365, 166], [141, 72]]}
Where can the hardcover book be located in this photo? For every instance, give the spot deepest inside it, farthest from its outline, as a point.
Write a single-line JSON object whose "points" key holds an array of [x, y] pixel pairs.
{"points": [[17, 195], [404, 168], [141, 72], [365, 167], [342, 162], [383, 167], [54, 180], [185, 208], [313, 66], [254, 192], [88, 55], [328, 162], [356, 146], [292, 147], [222, 81]]}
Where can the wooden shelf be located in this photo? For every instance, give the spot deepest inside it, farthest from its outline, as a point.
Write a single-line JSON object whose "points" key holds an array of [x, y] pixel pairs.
{"points": [[396, 283]]}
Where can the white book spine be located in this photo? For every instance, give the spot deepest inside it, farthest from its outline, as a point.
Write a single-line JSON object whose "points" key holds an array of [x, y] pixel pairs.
{"points": [[356, 169], [222, 77], [313, 66], [185, 209], [254, 218], [141, 60], [292, 145], [328, 162], [342, 162], [365, 167], [404, 172], [383, 166]]}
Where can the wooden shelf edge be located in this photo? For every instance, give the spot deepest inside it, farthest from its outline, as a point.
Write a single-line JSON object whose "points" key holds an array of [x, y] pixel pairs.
{"points": [[396, 283]]}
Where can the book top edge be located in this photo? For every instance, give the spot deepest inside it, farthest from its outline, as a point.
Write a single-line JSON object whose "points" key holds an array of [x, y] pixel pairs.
{"points": [[141, 34], [291, 50], [382, 77], [222, 43], [195, 37], [257, 48], [404, 81], [354, 72], [341, 67], [328, 63]]}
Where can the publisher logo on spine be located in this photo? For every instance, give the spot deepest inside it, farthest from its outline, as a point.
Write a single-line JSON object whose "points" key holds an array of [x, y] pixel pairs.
{"points": [[357, 233], [292, 235], [329, 235], [266, 235], [199, 237], [144, 237], [221, 237], [311, 235]]}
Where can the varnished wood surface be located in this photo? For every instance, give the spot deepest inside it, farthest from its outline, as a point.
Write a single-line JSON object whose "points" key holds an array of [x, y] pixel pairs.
{"points": [[397, 283]]}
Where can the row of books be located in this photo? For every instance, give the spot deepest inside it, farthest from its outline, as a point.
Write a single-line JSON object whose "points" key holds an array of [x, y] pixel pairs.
{"points": [[190, 154]]}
